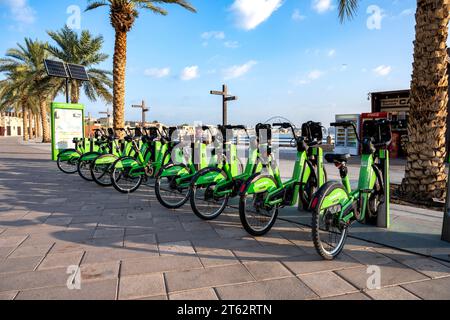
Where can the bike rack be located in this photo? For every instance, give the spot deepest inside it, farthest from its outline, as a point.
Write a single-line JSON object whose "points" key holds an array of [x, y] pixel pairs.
{"points": [[384, 219]]}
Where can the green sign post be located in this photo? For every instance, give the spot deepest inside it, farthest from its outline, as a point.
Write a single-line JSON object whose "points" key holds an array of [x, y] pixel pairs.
{"points": [[67, 123]]}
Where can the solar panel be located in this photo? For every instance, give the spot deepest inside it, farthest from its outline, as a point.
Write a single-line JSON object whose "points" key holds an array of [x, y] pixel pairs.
{"points": [[77, 72], [56, 69]]}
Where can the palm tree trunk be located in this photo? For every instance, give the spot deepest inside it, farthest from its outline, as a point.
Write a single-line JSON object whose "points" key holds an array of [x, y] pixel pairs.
{"points": [[30, 124], [119, 66], [45, 125], [24, 119], [425, 176], [38, 126], [74, 92]]}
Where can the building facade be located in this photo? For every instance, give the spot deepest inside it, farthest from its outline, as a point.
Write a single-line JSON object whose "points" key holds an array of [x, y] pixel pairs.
{"points": [[11, 124]]}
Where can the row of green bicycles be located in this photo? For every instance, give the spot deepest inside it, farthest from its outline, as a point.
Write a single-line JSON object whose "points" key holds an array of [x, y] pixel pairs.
{"points": [[204, 168]]}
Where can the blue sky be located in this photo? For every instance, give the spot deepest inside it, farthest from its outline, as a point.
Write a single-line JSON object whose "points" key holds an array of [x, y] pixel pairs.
{"points": [[290, 58]]}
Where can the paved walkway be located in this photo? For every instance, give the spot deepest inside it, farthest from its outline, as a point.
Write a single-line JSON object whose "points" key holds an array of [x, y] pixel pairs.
{"points": [[129, 247]]}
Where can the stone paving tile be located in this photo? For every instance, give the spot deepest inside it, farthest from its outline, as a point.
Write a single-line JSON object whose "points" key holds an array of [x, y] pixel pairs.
{"points": [[34, 279], [196, 226], [99, 271], [66, 247], [96, 290], [314, 263], [279, 289], [217, 258], [201, 294], [27, 251], [273, 239], [231, 232], [136, 231], [429, 267], [12, 241], [368, 256], [105, 255], [267, 270], [326, 284], [394, 254], [109, 232], [5, 251], [176, 248], [173, 236], [202, 245], [158, 298], [350, 296], [159, 264], [19, 264], [209, 277], [58, 221], [267, 253], [391, 274], [436, 289], [112, 242], [8, 295], [146, 241], [391, 293], [58, 260], [141, 286]]}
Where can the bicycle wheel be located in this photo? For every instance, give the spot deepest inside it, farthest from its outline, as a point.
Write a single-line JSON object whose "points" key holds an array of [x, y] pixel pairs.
{"points": [[308, 190], [84, 165], [328, 232], [67, 161], [101, 169], [257, 218], [203, 202], [168, 193], [122, 177]]}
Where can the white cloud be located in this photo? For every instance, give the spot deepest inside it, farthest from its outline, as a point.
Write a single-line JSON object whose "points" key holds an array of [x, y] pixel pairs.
{"points": [[220, 35], [407, 12], [157, 73], [231, 44], [190, 73], [20, 11], [315, 74], [322, 6], [251, 13], [382, 70], [297, 16], [238, 70], [331, 53]]}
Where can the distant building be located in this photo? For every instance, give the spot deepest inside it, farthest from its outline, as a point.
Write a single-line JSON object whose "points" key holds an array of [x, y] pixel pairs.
{"points": [[11, 124]]}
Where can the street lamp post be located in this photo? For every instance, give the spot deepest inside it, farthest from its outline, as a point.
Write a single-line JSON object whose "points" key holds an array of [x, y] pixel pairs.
{"points": [[225, 98]]}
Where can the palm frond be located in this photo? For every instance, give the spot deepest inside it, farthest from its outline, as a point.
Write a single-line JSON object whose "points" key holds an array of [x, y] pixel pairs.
{"points": [[347, 9]]}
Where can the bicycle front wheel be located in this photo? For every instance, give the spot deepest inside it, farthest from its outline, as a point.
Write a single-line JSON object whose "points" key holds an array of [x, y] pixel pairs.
{"points": [[101, 169], [329, 233], [168, 192], [84, 165], [67, 161], [204, 203], [123, 176]]}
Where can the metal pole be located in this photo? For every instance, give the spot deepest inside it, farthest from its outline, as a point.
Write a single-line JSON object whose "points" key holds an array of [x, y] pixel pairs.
{"points": [[225, 105], [143, 113], [67, 90]]}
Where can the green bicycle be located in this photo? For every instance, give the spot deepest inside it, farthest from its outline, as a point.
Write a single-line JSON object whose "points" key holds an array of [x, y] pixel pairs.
{"points": [[128, 173], [173, 181], [101, 168], [336, 206], [211, 188], [67, 159], [263, 195]]}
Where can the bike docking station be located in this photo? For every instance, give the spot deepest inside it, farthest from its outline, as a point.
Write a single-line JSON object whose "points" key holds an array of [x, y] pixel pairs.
{"points": [[67, 119], [383, 216]]}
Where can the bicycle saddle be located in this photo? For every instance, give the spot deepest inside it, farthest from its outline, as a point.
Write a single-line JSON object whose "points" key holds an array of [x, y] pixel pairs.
{"points": [[337, 158]]}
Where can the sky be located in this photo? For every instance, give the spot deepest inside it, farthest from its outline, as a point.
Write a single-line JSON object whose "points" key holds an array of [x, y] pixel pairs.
{"points": [[289, 58]]}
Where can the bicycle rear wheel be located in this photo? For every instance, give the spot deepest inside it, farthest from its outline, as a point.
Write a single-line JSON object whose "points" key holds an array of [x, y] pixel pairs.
{"points": [[67, 161], [168, 192], [84, 165], [122, 177], [101, 170]]}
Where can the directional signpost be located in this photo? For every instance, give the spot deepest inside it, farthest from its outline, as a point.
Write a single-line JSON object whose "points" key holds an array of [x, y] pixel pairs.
{"points": [[225, 98], [144, 111]]}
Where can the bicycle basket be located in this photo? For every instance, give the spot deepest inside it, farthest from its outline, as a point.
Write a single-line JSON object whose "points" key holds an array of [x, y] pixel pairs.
{"points": [[312, 131], [379, 131]]}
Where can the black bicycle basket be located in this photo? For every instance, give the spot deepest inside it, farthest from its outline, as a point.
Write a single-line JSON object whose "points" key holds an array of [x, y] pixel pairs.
{"points": [[378, 131], [312, 131]]}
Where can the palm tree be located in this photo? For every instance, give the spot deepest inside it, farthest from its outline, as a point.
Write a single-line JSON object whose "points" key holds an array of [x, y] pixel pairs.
{"points": [[83, 49], [425, 177], [24, 65], [123, 14]]}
